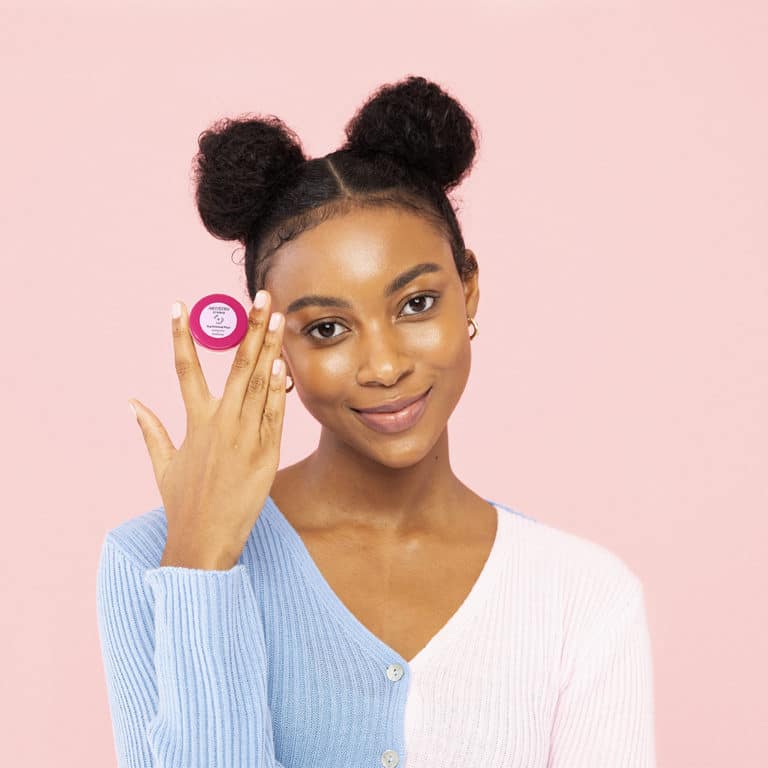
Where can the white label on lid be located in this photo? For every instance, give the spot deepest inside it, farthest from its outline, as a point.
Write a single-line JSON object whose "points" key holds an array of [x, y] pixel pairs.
{"points": [[218, 320]]}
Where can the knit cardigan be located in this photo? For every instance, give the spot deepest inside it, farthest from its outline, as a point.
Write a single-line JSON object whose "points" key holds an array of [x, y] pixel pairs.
{"points": [[546, 663]]}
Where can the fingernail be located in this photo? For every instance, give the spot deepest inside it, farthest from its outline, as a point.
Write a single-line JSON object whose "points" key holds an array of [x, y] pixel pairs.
{"points": [[133, 409], [176, 310], [260, 300], [277, 365], [274, 321]]}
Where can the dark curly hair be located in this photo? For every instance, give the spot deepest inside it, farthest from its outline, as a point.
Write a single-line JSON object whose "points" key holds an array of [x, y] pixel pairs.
{"points": [[407, 146]]}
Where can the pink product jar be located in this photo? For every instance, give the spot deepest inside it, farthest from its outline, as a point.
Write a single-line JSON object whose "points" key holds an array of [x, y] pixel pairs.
{"points": [[218, 321]]}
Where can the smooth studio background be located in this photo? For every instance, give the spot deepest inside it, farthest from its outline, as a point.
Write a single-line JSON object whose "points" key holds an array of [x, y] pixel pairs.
{"points": [[618, 388]]}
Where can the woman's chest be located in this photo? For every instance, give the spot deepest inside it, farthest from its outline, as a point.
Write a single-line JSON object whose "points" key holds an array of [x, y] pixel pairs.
{"points": [[484, 695], [403, 594], [347, 642]]}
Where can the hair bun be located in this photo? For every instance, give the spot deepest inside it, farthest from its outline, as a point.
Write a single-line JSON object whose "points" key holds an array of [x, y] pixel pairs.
{"points": [[240, 164], [419, 124]]}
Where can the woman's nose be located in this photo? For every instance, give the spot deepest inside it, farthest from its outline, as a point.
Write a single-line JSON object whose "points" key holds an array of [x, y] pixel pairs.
{"points": [[382, 357]]}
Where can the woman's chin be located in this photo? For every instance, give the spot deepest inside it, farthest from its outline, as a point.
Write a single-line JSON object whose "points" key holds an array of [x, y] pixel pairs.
{"points": [[398, 450]]}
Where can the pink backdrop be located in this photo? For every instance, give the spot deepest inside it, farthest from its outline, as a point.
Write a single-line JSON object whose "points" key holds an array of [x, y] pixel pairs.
{"points": [[618, 391]]}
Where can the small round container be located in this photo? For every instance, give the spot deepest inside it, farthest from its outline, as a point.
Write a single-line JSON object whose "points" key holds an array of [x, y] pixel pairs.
{"points": [[218, 321]]}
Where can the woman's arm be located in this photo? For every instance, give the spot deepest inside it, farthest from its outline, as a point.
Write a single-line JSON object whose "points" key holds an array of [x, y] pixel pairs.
{"points": [[185, 663], [605, 712]]}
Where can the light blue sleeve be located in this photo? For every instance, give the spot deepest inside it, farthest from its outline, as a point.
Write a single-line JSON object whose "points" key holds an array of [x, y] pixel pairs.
{"points": [[186, 665]]}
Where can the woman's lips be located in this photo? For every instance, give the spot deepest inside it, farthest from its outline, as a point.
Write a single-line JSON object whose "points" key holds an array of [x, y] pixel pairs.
{"points": [[397, 421]]}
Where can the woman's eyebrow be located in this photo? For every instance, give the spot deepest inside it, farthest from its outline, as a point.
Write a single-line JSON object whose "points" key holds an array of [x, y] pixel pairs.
{"points": [[314, 299]]}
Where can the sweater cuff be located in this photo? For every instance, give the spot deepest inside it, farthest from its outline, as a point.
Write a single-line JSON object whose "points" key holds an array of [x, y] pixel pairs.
{"points": [[202, 608]]}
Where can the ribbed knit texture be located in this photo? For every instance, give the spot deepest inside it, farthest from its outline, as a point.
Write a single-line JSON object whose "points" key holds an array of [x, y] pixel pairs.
{"points": [[546, 664]]}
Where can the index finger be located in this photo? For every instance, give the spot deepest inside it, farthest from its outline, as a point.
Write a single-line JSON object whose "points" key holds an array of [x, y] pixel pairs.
{"points": [[194, 388]]}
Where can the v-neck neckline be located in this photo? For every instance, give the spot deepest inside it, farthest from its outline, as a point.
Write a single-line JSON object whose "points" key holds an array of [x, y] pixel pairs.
{"points": [[365, 637]]}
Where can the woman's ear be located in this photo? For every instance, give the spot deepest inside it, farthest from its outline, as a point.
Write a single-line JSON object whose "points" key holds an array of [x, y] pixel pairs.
{"points": [[284, 357], [471, 283]]}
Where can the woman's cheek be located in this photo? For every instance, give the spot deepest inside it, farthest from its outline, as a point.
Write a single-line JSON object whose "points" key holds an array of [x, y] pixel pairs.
{"points": [[326, 373], [442, 346]]}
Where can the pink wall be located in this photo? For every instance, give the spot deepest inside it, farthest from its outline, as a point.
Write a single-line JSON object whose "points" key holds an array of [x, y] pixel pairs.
{"points": [[618, 391]]}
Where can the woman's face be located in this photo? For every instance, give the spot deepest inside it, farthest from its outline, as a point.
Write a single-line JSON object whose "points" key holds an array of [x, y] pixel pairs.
{"points": [[353, 339]]}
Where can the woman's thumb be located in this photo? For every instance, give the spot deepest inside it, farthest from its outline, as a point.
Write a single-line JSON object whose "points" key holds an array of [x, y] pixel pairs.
{"points": [[158, 442]]}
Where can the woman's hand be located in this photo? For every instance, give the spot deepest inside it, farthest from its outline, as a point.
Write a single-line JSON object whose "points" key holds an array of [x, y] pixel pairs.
{"points": [[214, 486]]}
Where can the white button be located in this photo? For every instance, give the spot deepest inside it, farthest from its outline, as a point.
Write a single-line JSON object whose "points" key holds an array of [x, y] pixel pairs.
{"points": [[394, 672], [389, 758]]}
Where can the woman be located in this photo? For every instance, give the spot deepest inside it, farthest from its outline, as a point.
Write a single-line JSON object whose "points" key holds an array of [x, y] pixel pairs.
{"points": [[363, 606]]}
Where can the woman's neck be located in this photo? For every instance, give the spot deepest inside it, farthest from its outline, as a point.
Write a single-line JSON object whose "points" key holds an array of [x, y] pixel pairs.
{"points": [[337, 486]]}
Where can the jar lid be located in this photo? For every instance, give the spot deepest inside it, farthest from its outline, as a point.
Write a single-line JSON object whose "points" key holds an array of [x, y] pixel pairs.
{"points": [[218, 321]]}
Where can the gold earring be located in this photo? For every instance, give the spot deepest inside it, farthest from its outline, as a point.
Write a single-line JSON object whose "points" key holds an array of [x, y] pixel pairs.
{"points": [[476, 327], [288, 389]]}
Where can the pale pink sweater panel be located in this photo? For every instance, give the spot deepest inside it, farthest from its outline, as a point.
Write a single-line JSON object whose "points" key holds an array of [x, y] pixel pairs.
{"points": [[547, 664]]}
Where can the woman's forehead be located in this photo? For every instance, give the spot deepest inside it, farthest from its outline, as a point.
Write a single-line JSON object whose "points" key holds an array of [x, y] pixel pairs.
{"points": [[357, 249]]}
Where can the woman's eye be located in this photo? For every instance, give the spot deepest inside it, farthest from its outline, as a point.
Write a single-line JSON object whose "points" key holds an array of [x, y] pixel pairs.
{"points": [[420, 303], [323, 326]]}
